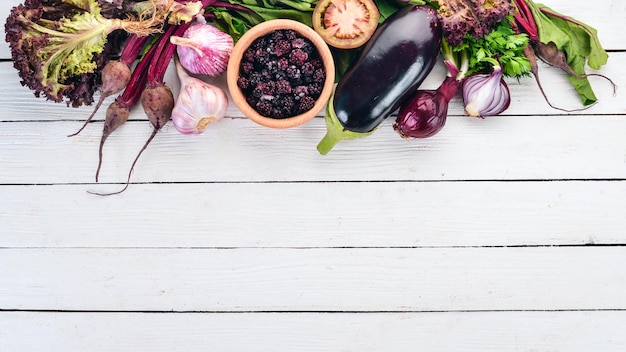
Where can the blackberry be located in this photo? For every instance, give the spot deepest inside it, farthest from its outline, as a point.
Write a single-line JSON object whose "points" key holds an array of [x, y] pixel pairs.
{"points": [[315, 89], [290, 34], [260, 42], [298, 57], [283, 87], [293, 72], [243, 82], [317, 63], [306, 103], [278, 113], [298, 43], [255, 78], [319, 75], [264, 107], [287, 104], [277, 35], [267, 87], [308, 69], [257, 92], [261, 59], [282, 47], [308, 47], [300, 91], [283, 63], [281, 74], [247, 67], [252, 100], [248, 55], [266, 74]]}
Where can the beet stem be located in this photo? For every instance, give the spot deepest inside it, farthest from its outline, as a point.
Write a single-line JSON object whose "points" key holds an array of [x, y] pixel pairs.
{"points": [[132, 49], [526, 19], [164, 53]]}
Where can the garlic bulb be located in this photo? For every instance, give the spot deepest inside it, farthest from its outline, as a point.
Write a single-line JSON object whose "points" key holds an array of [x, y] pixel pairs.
{"points": [[198, 103], [203, 49]]}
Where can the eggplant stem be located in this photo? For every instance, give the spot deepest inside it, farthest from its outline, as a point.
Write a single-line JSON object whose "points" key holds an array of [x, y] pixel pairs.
{"points": [[335, 131]]}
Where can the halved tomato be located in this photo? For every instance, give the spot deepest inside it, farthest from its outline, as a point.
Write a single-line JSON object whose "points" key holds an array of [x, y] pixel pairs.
{"points": [[345, 24]]}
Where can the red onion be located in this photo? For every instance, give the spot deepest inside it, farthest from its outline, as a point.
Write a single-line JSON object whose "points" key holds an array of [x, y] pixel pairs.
{"points": [[425, 113], [486, 94]]}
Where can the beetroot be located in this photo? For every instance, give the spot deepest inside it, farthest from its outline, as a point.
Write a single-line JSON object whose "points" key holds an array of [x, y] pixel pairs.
{"points": [[116, 74], [157, 99], [551, 55]]}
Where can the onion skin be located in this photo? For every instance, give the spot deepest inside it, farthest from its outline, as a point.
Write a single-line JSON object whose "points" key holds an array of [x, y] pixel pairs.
{"points": [[425, 113], [486, 94]]}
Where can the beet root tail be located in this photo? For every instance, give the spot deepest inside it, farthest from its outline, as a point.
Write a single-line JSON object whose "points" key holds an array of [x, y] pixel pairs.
{"points": [[132, 167]]}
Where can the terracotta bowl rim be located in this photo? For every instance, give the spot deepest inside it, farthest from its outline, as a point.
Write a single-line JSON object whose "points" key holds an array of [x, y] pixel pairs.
{"points": [[234, 64]]}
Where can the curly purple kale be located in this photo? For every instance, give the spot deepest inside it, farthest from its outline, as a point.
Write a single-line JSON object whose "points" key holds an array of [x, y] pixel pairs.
{"points": [[76, 90], [471, 17]]}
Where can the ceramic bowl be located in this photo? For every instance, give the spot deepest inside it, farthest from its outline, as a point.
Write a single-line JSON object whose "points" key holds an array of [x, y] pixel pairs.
{"points": [[264, 29]]}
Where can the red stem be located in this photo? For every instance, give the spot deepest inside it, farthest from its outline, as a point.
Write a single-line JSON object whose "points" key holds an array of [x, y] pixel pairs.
{"points": [[132, 49], [164, 54], [525, 18], [138, 80]]}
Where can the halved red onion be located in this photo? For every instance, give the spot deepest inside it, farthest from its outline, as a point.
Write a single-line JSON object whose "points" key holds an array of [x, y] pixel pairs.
{"points": [[486, 94]]}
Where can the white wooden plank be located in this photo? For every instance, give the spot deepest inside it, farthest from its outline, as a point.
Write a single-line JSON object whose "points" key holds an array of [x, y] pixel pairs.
{"points": [[455, 331], [236, 150], [362, 214], [354, 279]]}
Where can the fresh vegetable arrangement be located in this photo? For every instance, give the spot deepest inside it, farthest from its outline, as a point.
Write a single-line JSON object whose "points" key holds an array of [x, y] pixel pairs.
{"points": [[72, 50]]}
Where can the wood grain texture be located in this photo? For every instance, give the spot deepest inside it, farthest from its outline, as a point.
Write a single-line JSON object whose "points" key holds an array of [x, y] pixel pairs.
{"points": [[328, 214], [345, 332], [237, 150], [314, 279], [503, 234]]}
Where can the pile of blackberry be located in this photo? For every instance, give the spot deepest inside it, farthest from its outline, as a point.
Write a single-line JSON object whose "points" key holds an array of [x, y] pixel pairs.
{"points": [[281, 74]]}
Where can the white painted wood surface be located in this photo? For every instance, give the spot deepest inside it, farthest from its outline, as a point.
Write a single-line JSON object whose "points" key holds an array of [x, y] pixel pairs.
{"points": [[503, 234]]}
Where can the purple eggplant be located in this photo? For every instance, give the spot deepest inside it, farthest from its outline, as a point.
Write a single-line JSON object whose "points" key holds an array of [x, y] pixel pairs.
{"points": [[391, 66]]}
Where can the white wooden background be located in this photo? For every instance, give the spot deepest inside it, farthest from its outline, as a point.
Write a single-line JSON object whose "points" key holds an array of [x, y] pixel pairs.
{"points": [[503, 234]]}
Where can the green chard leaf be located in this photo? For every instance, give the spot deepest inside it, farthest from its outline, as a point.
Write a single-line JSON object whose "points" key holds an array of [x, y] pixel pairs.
{"points": [[578, 41], [587, 37]]}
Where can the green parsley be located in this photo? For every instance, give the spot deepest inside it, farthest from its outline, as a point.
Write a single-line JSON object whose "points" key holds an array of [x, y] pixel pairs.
{"points": [[500, 47]]}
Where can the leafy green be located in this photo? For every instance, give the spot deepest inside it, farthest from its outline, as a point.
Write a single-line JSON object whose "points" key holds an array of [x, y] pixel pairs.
{"points": [[577, 40], [57, 46], [387, 8], [239, 16], [500, 47]]}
